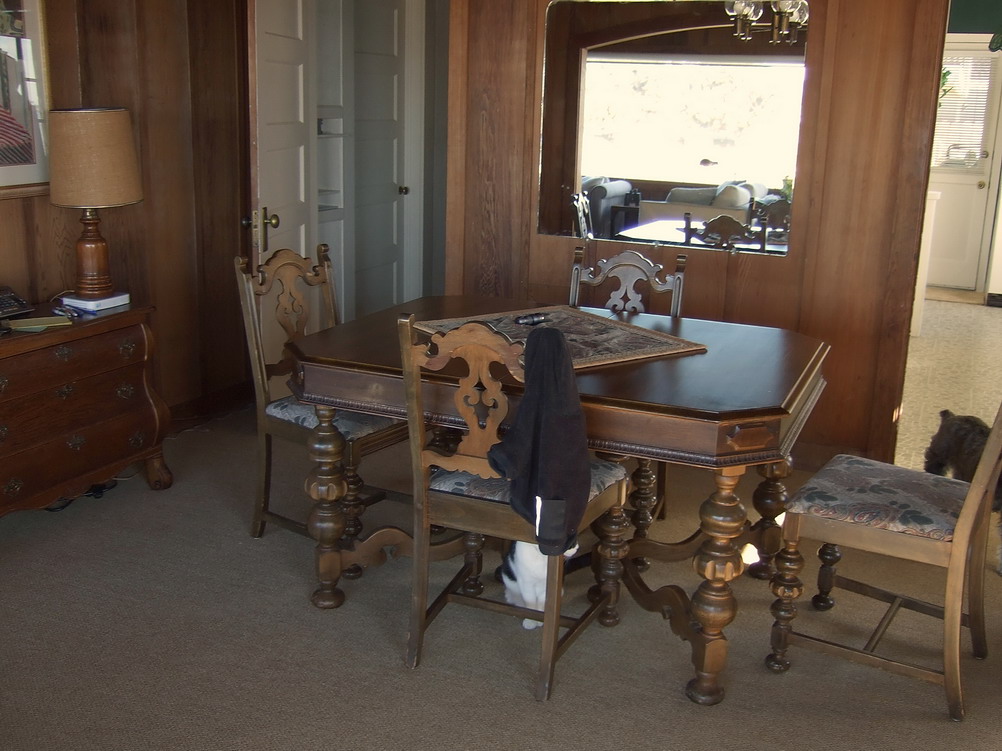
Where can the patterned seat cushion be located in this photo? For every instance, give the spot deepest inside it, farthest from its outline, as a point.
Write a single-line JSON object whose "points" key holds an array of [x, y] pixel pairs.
{"points": [[863, 491], [603, 475], [352, 425]]}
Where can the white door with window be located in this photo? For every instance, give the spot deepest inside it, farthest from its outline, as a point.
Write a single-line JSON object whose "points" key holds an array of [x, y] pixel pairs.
{"points": [[965, 166]]}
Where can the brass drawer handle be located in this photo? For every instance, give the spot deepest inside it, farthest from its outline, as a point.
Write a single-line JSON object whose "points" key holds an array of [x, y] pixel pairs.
{"points": [[127, 348], [3, 432], [64, 391], [63, 352], [76, 442], [13, 487], [137, 440], [126, 391], [3, 383]]}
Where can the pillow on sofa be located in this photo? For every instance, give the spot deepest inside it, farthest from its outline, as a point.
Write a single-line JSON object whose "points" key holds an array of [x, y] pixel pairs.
{"points": [[757, 190], [731, 197], [701, 196]]}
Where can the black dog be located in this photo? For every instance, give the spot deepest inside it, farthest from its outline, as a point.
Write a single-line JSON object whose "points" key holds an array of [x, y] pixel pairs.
{"points": [[956, 449]]}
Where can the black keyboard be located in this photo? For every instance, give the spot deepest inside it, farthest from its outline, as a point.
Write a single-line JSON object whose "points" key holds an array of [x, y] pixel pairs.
{"points": [[11, 304]]}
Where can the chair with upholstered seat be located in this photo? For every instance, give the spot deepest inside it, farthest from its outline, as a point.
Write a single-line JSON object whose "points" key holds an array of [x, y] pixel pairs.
{"points": [[460, 489], [278, 300], [636, 276], [898, 512]]}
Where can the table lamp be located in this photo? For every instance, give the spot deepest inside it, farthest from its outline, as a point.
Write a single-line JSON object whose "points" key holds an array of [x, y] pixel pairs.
{"points": [[93, 165]]}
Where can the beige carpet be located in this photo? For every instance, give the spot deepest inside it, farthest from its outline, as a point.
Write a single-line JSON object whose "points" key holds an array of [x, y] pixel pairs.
{"points": [[147, 620]]}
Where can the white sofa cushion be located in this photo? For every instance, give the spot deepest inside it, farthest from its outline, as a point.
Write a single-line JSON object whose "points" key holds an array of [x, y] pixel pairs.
{"points": [[731, 197]]}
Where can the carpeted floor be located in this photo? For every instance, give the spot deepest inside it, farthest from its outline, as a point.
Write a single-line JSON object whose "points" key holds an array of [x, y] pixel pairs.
{"points": [[152, 620]]}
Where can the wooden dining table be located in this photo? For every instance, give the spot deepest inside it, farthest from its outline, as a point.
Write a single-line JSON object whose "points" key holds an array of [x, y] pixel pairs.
{"points": [[738, 404]]}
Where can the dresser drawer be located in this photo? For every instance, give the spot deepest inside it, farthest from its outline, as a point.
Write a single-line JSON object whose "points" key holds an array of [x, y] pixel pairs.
{"points": [[36, 418], [53, 366], [68, 464]]}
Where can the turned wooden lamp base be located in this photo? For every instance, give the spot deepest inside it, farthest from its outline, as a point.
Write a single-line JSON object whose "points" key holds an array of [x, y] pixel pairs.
{"points": [[93, 284]]}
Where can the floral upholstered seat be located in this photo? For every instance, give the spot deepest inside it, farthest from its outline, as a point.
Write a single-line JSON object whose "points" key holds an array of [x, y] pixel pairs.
{"points": [[352, 425], [604, 475], [874, 494]]}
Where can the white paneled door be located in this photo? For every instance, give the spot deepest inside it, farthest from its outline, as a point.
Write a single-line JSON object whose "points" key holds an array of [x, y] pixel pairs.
{"points": [[382, 189], [281, 107]]}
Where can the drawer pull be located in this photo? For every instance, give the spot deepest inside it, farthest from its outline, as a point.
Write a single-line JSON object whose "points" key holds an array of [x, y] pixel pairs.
{"points": [[64, 353], [137, 440], [3, 383], [76, 442], [127, 348], [126, 391], [3, 432], [13, 487], [63, 392]]}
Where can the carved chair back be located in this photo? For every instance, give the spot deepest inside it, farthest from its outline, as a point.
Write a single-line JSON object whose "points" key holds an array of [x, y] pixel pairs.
{"points": [[282, 300], [631, 269], [479, 400]]}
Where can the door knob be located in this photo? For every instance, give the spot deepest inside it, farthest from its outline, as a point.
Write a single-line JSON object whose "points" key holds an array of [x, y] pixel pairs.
{"points": [[273, 220], [403, 190], [981, 184], [246, 222]]}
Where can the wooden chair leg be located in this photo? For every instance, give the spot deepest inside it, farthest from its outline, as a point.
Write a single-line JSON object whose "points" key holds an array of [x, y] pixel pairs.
{"points": [[952, 613], [976, 592], [829, 555], [787, 587], [263, 483], [419, 594], [551, 625], [474, 558], [661, 488]]}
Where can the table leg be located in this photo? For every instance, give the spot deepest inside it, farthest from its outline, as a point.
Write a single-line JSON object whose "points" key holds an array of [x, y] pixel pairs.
{"points": [[769, 500], [326, 486], [643, 499], [718, 561]]}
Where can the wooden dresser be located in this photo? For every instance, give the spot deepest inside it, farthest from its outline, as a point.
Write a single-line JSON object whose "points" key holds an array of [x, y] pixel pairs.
{"points": [[76, 407]]}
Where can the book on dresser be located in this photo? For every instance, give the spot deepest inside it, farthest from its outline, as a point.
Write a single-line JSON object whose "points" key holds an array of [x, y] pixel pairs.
{"points": [[77, 406]]}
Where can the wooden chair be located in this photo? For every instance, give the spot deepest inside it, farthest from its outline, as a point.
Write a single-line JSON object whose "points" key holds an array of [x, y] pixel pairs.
{"points": [[582, 212], [898, 512], [461, 491], [281, 288], [725, 232], [630, 268]]}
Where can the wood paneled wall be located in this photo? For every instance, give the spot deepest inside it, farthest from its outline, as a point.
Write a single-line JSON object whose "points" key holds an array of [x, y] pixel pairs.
{"points": [[176, 65], [869, 113]]}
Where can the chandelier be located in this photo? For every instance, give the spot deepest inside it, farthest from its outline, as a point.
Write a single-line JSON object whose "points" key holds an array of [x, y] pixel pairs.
{"points": [[787, 17]]}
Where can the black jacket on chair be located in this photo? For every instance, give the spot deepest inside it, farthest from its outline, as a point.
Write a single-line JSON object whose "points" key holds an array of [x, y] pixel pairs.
{"points": [[545, 452]]}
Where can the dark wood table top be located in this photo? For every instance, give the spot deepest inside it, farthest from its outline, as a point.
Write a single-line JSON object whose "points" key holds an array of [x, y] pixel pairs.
{"points": [[743, 401]]}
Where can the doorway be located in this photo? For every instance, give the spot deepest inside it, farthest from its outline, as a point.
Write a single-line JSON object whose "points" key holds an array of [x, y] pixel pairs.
{"points": [[349, 113], [966, 167]]}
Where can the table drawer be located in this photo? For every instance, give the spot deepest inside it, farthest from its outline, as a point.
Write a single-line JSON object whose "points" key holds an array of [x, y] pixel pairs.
{"points": [[35, 418], [49, 367], [66, 465]]}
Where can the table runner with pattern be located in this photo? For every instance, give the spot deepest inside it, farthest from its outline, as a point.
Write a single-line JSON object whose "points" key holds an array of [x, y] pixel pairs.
{"points": [[591, 339]]}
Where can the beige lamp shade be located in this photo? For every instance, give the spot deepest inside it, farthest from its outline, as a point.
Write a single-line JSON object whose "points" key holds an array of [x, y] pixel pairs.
{"points": [[92, 159]]}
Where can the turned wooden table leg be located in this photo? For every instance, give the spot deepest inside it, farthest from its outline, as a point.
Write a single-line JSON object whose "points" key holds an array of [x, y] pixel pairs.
{"points": [[722, 517], [769, 500], [326, 486], [643, 498]]}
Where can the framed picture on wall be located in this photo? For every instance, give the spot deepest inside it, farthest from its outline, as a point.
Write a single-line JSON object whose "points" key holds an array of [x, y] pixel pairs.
{"points": [[24, 165]]}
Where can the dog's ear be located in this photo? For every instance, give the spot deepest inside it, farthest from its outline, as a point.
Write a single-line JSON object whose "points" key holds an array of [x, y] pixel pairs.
{"points": [[945, 415]]}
